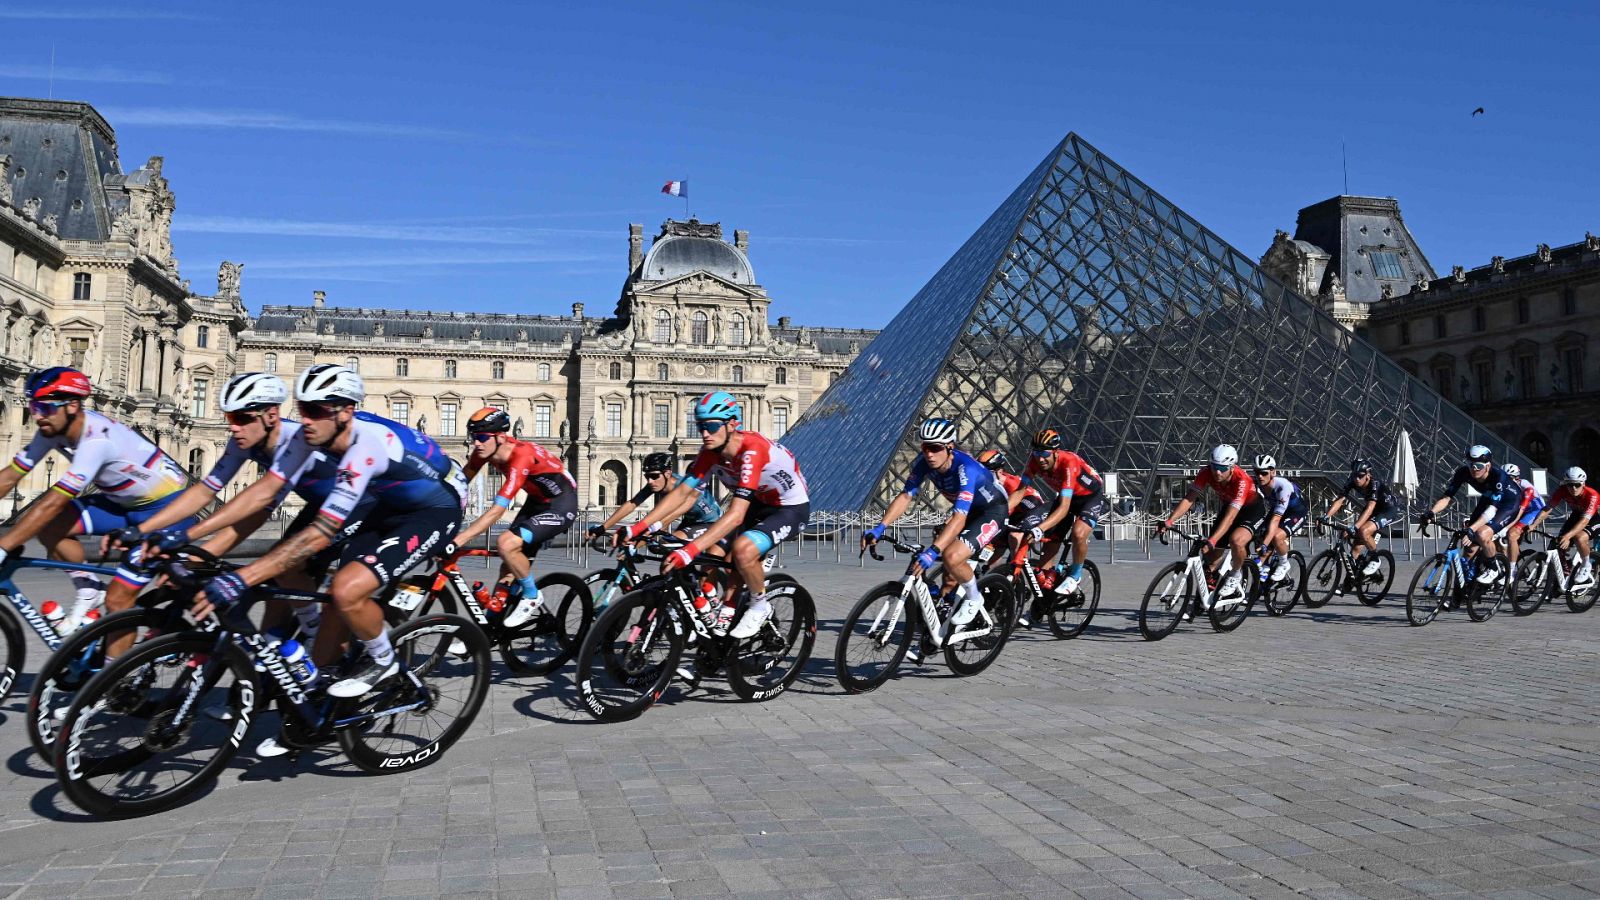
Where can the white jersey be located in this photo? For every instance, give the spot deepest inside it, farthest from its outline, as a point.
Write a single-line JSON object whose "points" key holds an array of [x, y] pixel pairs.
{"points": [[113, 457]]}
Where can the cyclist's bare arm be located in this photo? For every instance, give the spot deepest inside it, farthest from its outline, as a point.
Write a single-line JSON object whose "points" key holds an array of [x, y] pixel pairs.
{"points": [[951, 531], [292, 552], [1182, 507], [480, 524], [40, 514], [1334, 509], [897, 508], [250, 501], [678, 502], [622, 513]]}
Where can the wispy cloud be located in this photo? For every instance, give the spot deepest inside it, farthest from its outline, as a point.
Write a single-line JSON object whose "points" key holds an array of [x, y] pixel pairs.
{"points": [[104, 74], [415, 260], [189, 117], [118, 13], [383, 231]]}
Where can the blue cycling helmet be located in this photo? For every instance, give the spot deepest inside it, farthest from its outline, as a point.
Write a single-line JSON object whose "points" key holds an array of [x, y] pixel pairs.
{"points": [[718, 405]]}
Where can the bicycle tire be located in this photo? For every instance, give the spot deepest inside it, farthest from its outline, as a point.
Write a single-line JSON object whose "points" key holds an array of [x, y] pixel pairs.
{"points": [[16, 650], [1422, 601], [1070, 616], [66, 671], [547, 641], [861, 629], [1370, 590], [122, 697], [1483, 601], [1280, 598], [1227, 618], [1531, 588], [426, 647], [763, 666], [1173, 596], [1324, 579], [997, 601], [1583, 601], [618, 649]]}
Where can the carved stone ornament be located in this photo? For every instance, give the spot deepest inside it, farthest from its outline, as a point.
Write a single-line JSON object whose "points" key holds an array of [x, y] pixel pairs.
{"points": [[1543, 250], [1422, 282], [31, 208], [377, 329], [427, 331], [1497, 264], [228, 278], [522, 334], [1458, 274], [477, 333], [327, 328], [1388, 290], [5, 178], [1591, 242], [50, 223]]}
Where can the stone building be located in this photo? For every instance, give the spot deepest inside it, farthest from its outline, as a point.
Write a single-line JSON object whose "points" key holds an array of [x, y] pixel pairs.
{"points": [[88, 278], [1512, 343], [604, 391]]}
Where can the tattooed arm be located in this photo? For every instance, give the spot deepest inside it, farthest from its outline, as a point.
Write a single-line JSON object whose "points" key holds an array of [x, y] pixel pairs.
{"points": [[291, 553]]}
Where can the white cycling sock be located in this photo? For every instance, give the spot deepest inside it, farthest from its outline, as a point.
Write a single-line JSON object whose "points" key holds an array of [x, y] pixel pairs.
{"points": [[379, 648], [310, 618]]}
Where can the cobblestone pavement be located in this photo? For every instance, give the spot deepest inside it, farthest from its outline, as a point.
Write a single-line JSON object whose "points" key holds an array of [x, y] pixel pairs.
{"points": [[1339, 753]]}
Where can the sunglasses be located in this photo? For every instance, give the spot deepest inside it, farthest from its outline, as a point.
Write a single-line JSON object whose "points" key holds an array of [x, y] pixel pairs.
{"points": [[483, 436], [241, 418], [654, 475], [316, 411], [709, 426], [1042, 453], [1476, 466], [41, 408], [934, 448]]}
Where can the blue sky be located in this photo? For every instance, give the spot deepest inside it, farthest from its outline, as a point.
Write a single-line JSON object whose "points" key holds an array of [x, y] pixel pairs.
{"points": [[488, 157]]}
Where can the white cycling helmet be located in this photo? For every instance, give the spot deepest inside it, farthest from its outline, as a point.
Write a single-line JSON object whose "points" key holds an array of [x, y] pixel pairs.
{"points": [[1480, 453], [253, 389], [1512, 469], [1575, 476], [1265, 462], [937, 431], [1224, 455], [328, 383]]}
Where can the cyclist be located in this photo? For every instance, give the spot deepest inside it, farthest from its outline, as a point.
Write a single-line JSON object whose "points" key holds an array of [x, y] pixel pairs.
{"points": [[395, 502], [978, 507], [1286, 513], [1028, 510], [769, 505], [136, 480], [659, 480], [1532, 506], [1079, 504], [1583, 510], [551, 509], [1379, 509], [1238, 521], [1498, 506]]}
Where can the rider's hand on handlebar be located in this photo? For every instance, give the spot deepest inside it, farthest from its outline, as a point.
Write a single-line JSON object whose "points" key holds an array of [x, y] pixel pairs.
{"points": [[220, 593], [926, 559], [1036, 535], [872, 535], [680, 558]]}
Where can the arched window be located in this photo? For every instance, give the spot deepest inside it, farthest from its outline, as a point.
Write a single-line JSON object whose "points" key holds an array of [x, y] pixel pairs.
{"points": [[499, 370], [738, 374], [662, 372], [1537, 446], [544, 371], [202, 336], [781, 376], [736, 330], [449, 368], [663, 330], [616, 371], [700, 329], [353, 364], [271, 364], [402, 367]]}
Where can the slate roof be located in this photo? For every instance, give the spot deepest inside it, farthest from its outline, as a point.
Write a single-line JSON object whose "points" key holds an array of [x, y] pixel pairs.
{"points": [[675, 255], [359, 322], [65, 154], [1348, 228]]}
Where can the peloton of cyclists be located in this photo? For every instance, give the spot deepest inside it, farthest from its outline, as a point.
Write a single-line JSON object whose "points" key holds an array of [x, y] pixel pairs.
{"points": [[1499, 504]]}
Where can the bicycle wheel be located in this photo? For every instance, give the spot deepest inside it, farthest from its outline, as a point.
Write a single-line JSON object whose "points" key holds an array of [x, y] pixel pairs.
{"points": [[135, 741], [1583, 600], [1429, 587], [15, 649], [1324, 579], [413, 719], [1371, 589], [1226, 615], [629, 655], [1070, 615], [81, 655], [1483, 601], [1165, 601], [764, 665], [1529, 591], [874, 638], [545, 642], [1279, 597], [970, 656]]}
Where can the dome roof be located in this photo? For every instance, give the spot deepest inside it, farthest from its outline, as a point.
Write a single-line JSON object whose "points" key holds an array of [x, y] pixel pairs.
{"points": [[675, 255]]}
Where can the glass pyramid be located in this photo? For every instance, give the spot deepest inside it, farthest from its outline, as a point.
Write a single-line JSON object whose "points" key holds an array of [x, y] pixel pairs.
{"points": [[1089, 303]]}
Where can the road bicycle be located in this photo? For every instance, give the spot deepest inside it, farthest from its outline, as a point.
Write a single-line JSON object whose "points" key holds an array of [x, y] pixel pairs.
{"points": [[1548, 574], [1067, 613], [21, 611], [1184, 589], [605, 585], [143, 735], [637, 646], [1335, 571], [538, 646], [878, 633], [1451, 578], [1278, 596]]}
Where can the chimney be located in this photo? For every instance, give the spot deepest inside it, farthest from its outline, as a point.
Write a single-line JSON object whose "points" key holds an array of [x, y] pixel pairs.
{"points": [[783, 321], [577, 310], [635, 247], [319, 299], [741, 239]]}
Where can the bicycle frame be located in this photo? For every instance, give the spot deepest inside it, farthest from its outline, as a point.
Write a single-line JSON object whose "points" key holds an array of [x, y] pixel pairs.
{"points": [[917, 587], [1194, 572], [24, 607]]}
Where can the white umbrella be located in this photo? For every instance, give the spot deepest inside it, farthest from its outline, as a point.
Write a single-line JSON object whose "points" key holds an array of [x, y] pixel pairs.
{"points": [[1405, 478]]}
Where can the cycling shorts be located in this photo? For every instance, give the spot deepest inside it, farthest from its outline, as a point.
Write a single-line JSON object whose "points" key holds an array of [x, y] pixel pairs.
{"points": [[692, 531], [1526, 519], [1088, 507], [1030, 512], [1292, 522], [1503, 517], [101, 514], [538, 522], [983, 525], [1384, 516], [769, 526], [389, 545], [1572, 522], [1252, 516]]}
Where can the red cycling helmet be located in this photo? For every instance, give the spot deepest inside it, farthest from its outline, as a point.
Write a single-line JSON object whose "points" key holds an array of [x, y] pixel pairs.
{"points": [[57, 381]]}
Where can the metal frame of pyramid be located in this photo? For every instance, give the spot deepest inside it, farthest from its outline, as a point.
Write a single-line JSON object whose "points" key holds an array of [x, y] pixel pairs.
{"points": [[1089, 303]]}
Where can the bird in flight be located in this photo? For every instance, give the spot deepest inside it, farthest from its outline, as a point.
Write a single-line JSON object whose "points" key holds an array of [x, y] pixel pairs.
{"points": [[1478, 111]]}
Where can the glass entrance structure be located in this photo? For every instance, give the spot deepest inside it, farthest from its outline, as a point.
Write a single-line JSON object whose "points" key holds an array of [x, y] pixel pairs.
{"points": [[1089, 303]]}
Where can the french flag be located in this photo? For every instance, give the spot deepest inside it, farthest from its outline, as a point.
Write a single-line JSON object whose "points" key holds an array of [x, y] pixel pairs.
{"points": [[676, 188]]}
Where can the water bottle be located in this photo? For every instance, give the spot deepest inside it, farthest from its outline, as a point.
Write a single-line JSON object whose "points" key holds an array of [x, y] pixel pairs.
{"points": [[298, 661], [275, 637], [497, 600], [53, 613]]}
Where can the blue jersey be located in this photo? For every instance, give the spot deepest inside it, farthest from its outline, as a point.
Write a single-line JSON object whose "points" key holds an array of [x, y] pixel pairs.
{"points": [[966, 483], [387, 468], [1499, 490]]}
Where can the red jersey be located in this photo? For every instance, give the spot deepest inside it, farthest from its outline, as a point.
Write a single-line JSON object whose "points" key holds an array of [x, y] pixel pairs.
{"points": [[1236, 491], [763, 471], [531, 468], [1067, 474], [1585, 501], [1013, 483]]}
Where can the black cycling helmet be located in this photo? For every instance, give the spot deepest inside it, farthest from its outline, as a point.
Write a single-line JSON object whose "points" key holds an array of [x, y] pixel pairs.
{"points": [[489, 420], [658, 462], [1359, 467]]}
